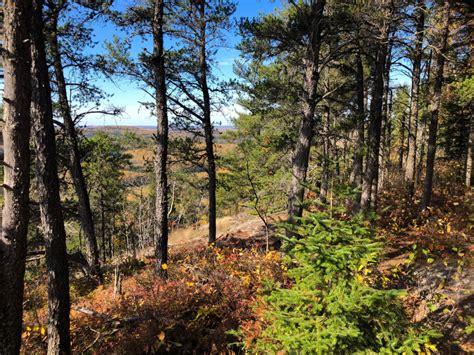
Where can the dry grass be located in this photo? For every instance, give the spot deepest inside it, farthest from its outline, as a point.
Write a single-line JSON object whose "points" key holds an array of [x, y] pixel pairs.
{"points": [[198, 234]]}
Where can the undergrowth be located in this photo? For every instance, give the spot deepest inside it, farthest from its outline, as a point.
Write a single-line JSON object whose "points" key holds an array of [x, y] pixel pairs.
{"points": [[331, 306], [209, 292], [326, 292]]}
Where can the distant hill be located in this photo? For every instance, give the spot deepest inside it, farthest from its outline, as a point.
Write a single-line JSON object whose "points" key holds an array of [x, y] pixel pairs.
{"points": [[146, 131], [118, 130]]}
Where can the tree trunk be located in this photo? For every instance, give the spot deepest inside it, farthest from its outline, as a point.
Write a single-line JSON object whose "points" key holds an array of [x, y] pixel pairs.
{"points": [[102, 229], [85, 212], [422, 123], [16, 136], [401, 149], [470, 154], [388, 133], [208, 129], [110, 236], [161, 158], [383, 168], [300, 159], [358, 159], [52, 223], [414, 104], [370, 179], [435, 106], [323, 194]]}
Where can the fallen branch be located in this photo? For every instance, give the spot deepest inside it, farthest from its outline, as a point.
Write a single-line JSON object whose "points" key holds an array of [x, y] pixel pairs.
{"points": [[116, 322], [92, 313]]}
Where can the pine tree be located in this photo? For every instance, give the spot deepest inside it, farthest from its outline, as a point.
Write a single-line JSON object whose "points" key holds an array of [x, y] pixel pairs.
{"points": [[16, 165], [196, 91], [52, 224], [415, 97], [436, 102], [161, 157], [55, 10]]}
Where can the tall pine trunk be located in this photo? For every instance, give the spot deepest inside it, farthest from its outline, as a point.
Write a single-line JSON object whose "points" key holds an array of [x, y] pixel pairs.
{"points": [[207, 125], [16, 181], [358, 158], [435, 105], [401, 149], [470, 154], [323, 194], [422, 122], [300, 159], [385, 130], [52, 223], [388, 132], [370, 180], [74, 161], [161, 158], [415, 96]]}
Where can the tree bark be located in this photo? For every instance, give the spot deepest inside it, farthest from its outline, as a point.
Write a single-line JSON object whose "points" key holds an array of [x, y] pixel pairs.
{"points": [[16, 180], [323, 194], [415, 93], [470, 154], [102, 229], [368, 198], [401, 149], [389, 131], [85, 211], [422, 123], [208, 129], [161, 158], [52, 223], [300, 159], [435, 106], [358, 159], [383, 163]]}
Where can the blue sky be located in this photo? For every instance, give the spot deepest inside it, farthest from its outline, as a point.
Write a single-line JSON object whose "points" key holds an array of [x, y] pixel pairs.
{"points": [[126, 94]]}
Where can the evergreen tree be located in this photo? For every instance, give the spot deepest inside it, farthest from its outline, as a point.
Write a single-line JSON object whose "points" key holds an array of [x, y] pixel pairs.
{"points": [[52, 223], [150, 71], [16, 179], [161, 156], [196, 91], [330, 308], [415, 96], [442, 37], [103, 167], [92, 252]]}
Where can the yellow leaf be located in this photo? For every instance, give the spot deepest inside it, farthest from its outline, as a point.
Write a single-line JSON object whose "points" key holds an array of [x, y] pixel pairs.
{"points": [[448, 228], [43, 330], [164, 266], [161, 336], [431, 347]]}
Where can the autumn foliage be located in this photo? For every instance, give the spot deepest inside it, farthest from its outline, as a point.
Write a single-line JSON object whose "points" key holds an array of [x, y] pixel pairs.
{"points": [[209, 292]]}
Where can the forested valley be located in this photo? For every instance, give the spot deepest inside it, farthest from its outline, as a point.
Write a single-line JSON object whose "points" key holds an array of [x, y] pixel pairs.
{"points": [[332, 212]]}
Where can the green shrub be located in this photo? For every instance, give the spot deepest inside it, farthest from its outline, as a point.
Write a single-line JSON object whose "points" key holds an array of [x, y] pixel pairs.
{"points": [[330, 307]]}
